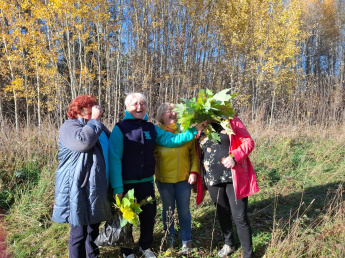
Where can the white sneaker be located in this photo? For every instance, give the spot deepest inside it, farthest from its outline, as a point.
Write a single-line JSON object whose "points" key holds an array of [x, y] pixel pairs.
{"points": [[147, 253], [185, 246], [128, 256], [226, 250]]}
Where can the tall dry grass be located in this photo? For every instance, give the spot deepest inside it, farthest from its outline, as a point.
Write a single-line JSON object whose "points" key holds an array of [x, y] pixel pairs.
{"points": [[260, 128], [23, 155], [321, 237], [32, 233], [17, 146]]}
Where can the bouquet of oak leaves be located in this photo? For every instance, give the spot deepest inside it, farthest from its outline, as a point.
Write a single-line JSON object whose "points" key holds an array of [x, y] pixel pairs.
{"points": [[118, 231], [207, 106]]}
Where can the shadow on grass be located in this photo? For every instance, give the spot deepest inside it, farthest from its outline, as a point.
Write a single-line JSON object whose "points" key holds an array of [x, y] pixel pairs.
{"points": [[262, 215], [207, 238]]}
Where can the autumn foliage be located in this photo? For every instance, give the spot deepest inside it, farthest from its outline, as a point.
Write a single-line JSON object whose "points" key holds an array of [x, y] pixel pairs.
{"points": [[285, 59]]}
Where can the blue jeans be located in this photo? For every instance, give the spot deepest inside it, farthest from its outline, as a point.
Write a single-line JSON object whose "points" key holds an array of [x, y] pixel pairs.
{"points": [[180, 193]]}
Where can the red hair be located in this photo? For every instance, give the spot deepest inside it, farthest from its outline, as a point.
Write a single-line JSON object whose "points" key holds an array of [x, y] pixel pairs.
{"points": [[80, 102]]}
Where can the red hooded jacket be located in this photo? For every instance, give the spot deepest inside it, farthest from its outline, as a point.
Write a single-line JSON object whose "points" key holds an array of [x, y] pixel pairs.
{"points": [[243, 175]]}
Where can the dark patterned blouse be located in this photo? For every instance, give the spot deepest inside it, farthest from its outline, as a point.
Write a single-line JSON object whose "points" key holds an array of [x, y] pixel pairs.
{"points": [[213, 154]]}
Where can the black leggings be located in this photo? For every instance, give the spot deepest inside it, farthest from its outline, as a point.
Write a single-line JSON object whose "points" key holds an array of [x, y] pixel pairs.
{"points": [[147, 216], [223, 196]]}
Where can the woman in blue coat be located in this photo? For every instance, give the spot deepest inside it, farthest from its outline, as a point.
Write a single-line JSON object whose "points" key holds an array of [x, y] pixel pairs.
{"points": [[81, 178]]}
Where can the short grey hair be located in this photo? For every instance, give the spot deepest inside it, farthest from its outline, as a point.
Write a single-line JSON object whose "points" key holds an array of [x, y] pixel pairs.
{"points": [[134, 95], [161, 109]]}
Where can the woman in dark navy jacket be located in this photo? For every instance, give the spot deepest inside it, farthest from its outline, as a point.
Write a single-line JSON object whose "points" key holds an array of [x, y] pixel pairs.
{"points": [[132, 163]]}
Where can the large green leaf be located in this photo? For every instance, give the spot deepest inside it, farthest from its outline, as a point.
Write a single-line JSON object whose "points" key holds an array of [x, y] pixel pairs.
{"points": [[207, 106], [222, 96], [118, 202], [125, 202], [180, 109], [213, 136], [135, 221], [123, 222], [209, 93], [136, 208], [131, 195]]}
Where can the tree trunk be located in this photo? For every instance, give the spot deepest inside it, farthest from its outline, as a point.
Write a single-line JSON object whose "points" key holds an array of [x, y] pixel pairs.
{"points": [[1, 115], [272, 108], [69, 64], [38, 96]]}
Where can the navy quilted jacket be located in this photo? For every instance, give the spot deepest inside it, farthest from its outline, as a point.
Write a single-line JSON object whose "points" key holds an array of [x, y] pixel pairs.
{"points": [[81, 183]]}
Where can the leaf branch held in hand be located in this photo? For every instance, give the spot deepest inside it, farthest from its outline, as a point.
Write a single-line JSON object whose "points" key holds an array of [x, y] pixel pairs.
{"points": [[129, 208], [207, 106]]}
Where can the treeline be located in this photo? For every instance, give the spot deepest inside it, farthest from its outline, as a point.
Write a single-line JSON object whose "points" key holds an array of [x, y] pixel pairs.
{"points": [[284, 58]]}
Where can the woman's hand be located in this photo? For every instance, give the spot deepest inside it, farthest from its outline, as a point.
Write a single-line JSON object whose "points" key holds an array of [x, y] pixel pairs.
{"points": [[120, 195], [228, 162], [192, 179], [97, 111], [201, 126]]}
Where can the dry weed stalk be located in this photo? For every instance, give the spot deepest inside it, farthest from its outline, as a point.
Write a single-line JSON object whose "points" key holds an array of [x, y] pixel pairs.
{"points": [[214, 223], [299, 238], [169, 221]]}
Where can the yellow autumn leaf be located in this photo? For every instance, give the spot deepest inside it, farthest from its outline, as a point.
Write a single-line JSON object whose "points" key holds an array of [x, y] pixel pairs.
{"points": [[128, 214]]}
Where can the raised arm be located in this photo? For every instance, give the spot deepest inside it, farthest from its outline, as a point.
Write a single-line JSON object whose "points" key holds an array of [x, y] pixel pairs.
{"points": [[168, 139], [78, 137], [246, 143]]}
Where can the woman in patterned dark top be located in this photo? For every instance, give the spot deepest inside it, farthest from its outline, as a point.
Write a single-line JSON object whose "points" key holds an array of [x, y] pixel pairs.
{"points": [[230, 179]]}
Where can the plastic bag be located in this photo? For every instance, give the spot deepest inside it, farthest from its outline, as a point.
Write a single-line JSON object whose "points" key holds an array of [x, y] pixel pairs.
{"points": [[113, 235]]}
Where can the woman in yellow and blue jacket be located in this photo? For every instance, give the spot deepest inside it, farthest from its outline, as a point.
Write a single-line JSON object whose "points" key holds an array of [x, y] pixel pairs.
{"points": [[176, 169]]}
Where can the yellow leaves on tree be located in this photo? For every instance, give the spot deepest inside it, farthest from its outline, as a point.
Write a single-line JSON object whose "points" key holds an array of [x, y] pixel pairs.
{"points": [[266, 32], [15, 87]]}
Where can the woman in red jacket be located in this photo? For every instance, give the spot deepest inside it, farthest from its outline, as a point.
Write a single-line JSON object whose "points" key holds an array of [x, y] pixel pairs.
{"points": [[230, 179]]}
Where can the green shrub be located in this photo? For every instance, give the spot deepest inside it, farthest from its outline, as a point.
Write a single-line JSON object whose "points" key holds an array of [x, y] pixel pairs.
{"points": [[6, 199]]}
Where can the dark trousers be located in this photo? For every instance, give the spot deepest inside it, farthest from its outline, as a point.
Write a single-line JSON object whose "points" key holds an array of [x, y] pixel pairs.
{"points": [[82, 241], [223, 195], [146, 217]]}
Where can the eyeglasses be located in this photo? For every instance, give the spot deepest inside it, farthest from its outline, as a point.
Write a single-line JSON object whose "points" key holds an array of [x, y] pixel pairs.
{"points": [[169, 111], [138, 104]]}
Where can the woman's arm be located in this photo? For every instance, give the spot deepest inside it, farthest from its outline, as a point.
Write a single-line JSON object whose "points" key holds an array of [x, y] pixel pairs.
{"points": [[115, 159], [78, 137], [168, 139], [244, 141], [194, 159]]}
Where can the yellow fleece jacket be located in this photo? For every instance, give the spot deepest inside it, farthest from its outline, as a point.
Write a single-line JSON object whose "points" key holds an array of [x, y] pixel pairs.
{"points": [[175, 164]]}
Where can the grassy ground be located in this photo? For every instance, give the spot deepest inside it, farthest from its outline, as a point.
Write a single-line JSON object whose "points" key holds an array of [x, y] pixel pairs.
{"points": [[299, 211]]}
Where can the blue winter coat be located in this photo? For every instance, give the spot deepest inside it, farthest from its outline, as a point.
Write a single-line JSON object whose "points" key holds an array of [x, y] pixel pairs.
{"points": [[81, 182]]}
